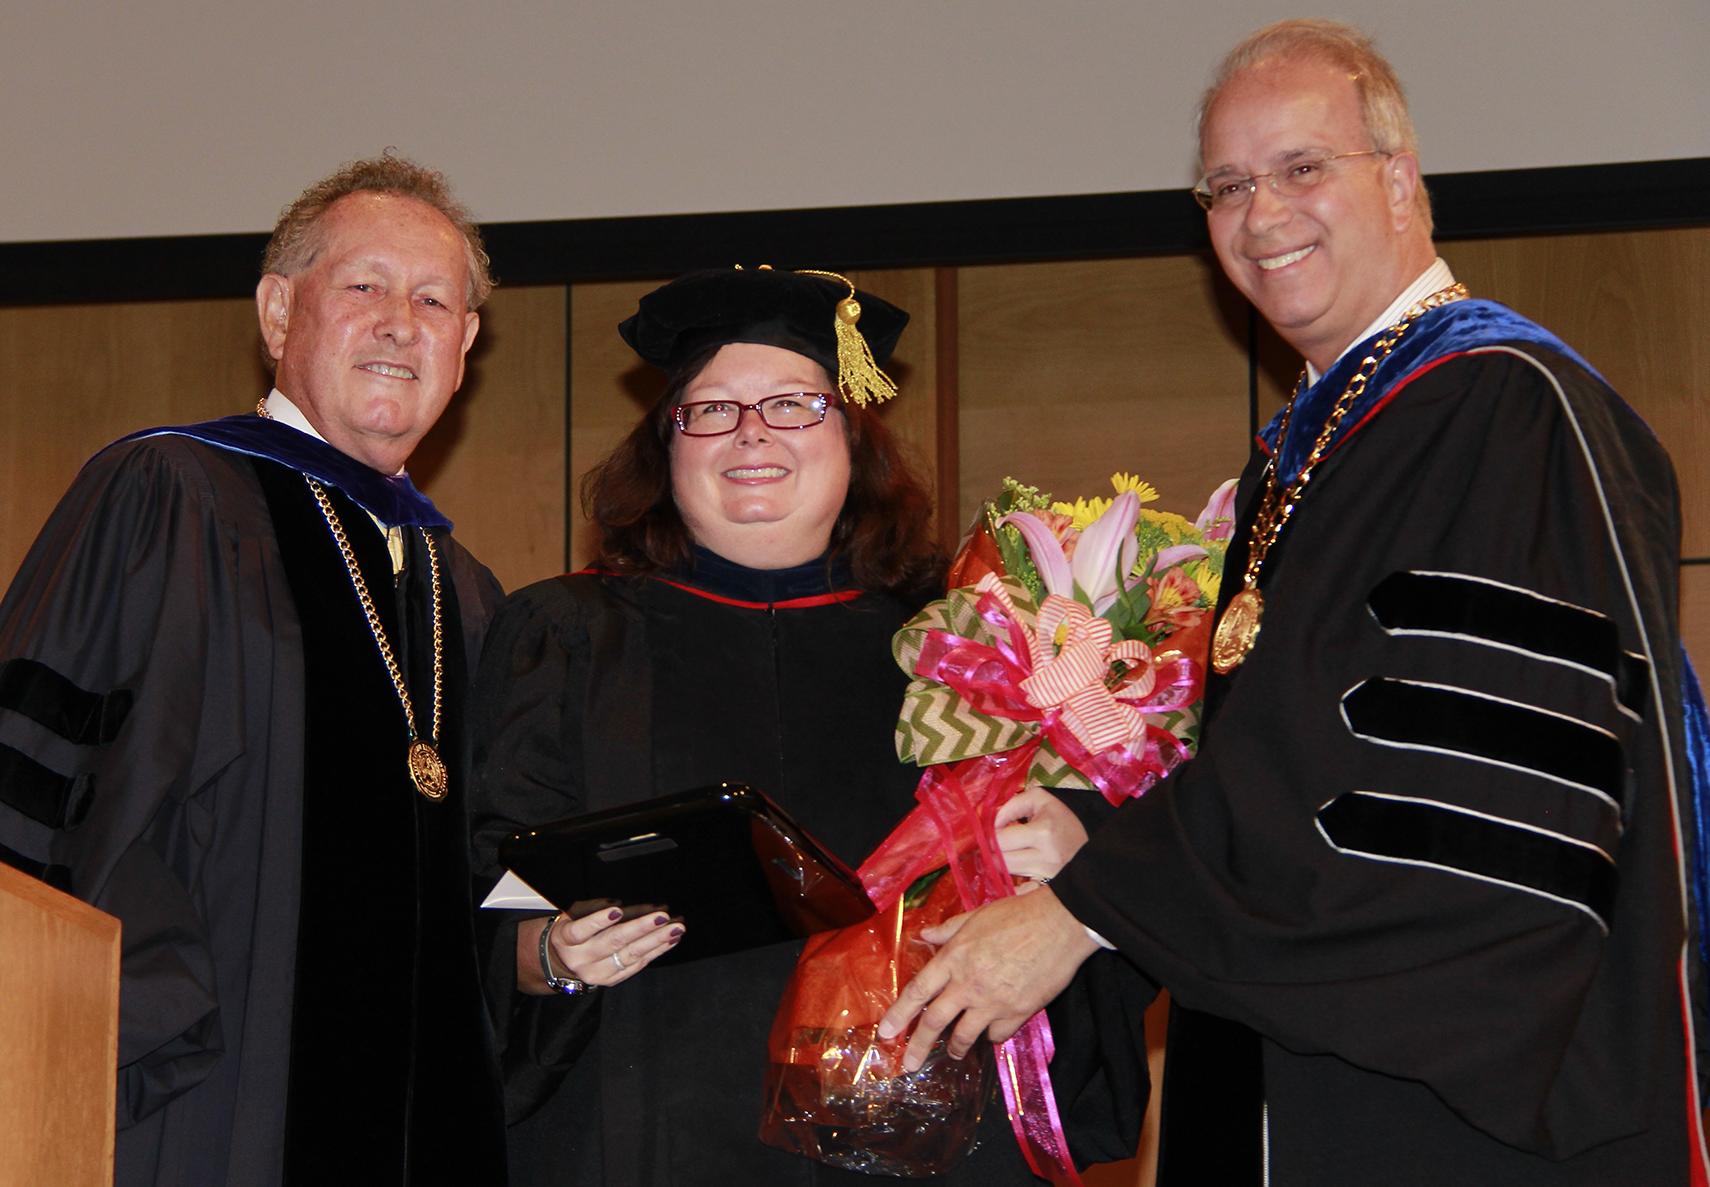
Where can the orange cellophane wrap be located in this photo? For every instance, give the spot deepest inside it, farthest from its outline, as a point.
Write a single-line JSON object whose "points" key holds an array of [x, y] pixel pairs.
{"points": [[977, 557], [835, 1091]]}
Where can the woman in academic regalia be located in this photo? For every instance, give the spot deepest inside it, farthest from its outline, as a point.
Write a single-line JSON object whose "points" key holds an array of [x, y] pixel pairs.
{"points": [[760, 540]]}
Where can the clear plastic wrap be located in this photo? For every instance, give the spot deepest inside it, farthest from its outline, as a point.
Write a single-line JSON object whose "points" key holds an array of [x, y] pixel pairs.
{"points": [[835, 1091]]}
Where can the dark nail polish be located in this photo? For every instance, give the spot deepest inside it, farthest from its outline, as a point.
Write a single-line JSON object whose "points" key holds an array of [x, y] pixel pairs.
{"points": [[675, 934], [661, 920], [614, 914]]}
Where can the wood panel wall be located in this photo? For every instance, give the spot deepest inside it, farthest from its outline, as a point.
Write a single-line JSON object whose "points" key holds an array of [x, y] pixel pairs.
{"points": [[1072, 372], [495, 461], [74, 377], [610, 389]]}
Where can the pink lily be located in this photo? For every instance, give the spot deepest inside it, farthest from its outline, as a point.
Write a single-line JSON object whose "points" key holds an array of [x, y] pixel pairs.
{"points": [[1177, 554], [1104, 554], [1046, 552], [1217, 521], [1104, 558]]}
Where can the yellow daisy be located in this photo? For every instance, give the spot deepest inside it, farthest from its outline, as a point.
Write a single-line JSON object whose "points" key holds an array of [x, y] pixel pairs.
{"points": [[1124, 482], [1209, 579], [1082, 512]]}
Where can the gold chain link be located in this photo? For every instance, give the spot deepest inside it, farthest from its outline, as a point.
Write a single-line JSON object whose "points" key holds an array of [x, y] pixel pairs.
{"points": [[374, 626], [1276, 507]]}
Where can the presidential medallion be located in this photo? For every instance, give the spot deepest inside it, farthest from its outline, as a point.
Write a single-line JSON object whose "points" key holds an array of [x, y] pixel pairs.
{"points": [[1237, 631], [427, 768], [427, 771]]}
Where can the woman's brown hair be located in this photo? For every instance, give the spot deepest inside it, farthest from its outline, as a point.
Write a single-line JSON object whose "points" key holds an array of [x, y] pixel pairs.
{"points": [[883, 532]]}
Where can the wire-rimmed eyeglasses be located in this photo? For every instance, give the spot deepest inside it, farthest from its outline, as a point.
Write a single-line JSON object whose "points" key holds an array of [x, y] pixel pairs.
{"points": [[714, 418], [1224, 193]]}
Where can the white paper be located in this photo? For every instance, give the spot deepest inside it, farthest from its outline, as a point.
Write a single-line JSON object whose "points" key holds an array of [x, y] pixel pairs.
{"points": [[513, 894]]}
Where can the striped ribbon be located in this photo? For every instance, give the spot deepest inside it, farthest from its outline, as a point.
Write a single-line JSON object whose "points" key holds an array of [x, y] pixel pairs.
{"points": [[1072, 659], [1100, 731]]}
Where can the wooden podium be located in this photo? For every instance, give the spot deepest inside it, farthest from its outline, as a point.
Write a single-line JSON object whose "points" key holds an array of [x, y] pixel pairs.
{"points": [[59, 1036]]}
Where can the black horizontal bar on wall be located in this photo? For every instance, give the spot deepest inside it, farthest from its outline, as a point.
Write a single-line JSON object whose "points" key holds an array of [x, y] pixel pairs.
{"points": [[1632, 196], [1641, 195], [919, 234]]}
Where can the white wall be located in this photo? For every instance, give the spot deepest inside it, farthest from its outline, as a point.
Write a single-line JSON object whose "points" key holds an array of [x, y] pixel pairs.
{"points": [[189, 116]]}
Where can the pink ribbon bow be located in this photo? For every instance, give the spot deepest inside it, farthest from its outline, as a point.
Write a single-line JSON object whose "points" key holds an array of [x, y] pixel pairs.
{"points": [[1071, 675], [1091, 712]]}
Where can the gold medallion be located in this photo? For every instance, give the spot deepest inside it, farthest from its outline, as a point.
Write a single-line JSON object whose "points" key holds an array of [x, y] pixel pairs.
{"points": [[427, 771], [426, 767], [1237, 631]]}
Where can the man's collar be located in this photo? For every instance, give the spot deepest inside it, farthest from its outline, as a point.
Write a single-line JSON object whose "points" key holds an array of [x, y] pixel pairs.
{"points": [[281, 409], [1436, 277], [1454, 328], [391, 498]]}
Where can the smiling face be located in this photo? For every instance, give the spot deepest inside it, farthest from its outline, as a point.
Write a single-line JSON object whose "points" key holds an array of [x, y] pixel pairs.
{"points": [[372, 335], [762, 497], [1322, 266]]}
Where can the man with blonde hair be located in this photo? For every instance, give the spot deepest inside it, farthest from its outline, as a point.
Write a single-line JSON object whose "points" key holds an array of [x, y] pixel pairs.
{"points": [[232, 679], [1421, 901]]}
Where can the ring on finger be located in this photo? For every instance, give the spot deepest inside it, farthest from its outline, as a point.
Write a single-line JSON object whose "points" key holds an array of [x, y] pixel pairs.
{"points": [[618, 960]]}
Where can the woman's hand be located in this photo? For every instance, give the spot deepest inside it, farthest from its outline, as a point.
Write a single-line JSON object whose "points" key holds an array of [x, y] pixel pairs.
{"points": [[1038, 834], [599, 948]]}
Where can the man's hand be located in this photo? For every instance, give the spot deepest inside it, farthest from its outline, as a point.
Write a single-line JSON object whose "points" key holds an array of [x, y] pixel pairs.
{"points": [[998, 967]]}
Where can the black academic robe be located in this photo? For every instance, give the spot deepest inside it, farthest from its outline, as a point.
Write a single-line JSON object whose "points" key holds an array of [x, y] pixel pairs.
{"points": [[1420, 897], [600, 691], [198, 736]]}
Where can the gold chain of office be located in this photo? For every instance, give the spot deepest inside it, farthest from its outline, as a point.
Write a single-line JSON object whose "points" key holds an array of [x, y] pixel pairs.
{"points": [[1238, 629], [427, 769]]}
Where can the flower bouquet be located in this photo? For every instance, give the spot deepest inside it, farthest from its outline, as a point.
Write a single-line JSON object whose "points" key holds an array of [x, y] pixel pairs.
{"points": [[1069, 653]]}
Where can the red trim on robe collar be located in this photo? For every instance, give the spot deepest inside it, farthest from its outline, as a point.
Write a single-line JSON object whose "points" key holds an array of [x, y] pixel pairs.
{"points": [[824, 599], [1382, 402]]}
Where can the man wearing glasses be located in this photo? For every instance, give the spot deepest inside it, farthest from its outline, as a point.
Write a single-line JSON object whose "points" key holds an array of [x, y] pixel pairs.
{"points": [[1420, 901]]}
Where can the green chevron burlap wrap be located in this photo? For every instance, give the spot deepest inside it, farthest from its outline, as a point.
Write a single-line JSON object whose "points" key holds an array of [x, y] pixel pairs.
{"points": [[936, 725]]}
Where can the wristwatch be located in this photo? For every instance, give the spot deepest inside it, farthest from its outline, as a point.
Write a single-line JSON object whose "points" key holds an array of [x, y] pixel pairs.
{"points": [[568, 986]]}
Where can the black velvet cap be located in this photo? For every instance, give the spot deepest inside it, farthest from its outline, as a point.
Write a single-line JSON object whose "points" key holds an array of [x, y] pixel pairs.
{"points": [[772, 307]]}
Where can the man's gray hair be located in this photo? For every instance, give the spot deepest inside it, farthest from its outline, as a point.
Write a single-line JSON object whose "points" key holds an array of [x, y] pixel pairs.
{"points": [[297, 238], [1383, 105]]}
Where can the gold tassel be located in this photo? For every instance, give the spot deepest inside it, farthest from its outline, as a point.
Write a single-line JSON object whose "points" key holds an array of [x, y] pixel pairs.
{"points": [[858, 375]]}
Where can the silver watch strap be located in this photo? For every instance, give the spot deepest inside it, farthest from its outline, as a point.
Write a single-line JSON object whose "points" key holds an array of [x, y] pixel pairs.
{"points": [[568, 986]]}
